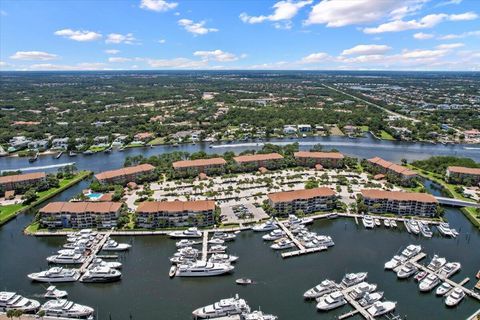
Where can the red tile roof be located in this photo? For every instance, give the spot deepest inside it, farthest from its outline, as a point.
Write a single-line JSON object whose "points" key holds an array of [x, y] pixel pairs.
{"points": [[124, 171], [81, 207], [175, 206], [199, 163], [288, 196], [464, 170], [392, 166], [22, 177], [398, 195], [258, 157], [318, 155]]}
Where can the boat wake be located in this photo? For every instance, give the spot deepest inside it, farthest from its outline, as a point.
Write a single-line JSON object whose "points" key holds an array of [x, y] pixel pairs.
{"points": [[59, 165]]}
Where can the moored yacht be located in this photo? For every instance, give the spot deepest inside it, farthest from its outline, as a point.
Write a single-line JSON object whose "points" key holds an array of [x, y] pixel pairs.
{"points": [[66, 309], [222, 258], [411, 251], [267, 226], [445, 230], [325, 287], [371, 298], [351, 279], [368, 222], [101, 274], [54, 293], [282, 244], [55, 274], [425, 230], [203, 269], [185, 243], [68, 257], [224, 307], [406, 271], [189, 233], [224, 236], [259, 315], [97, 262], [112, 245], [430, 282], [394, 262], [274, 235], [14, 301], [436, 263], [380, 308], [362, 289], [393, 223], [443, 289], [449, 269], [454, 297], [216, 241], [413, 226], [331, 301], [217, 249]]}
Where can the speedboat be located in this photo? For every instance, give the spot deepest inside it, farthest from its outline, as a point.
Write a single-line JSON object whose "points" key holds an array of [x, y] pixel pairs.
{"points": [[203, 269], [331, 301], [411, 251], [282, 244], [445, 230], [371, 298], [55, 274], [259, 315], [54, 293], [368, 222], [101, 274], [351, 279], [325, 287], [274, 235], [224, 307], [449, 269], [386, 222], [97, 262], [69, 257], [361, 289], [425, 230], [113, 245], [393, 223], [436, 263], [244, 281], [66, 309], [267, 226], [414, 227], [189, 233], [394, 262], [380, 308], [430, 282], [443, 289], [454, 297], [377, 222], [420, 276], [185, 243], [406, 271], [217, 249], [14, 301], [222, 258]]}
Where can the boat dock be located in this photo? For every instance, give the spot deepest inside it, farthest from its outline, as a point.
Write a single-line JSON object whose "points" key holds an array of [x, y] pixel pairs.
{"points": [[96, 248], [357, 308], [205, 246]]}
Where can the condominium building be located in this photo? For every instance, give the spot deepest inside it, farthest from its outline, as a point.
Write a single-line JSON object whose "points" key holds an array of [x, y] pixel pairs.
{"points": [[21, 181], [399, 202], [383, 166], [79, 215], [325, 159], [463, 175], [168, 214], [308, 201], [124, 175], [207, 166], [255, 161]]}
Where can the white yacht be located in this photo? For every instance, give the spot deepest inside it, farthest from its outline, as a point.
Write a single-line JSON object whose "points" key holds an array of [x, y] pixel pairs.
{"points": [[54, 293], [371, 298], [386, 223], [394, 262], [282, 244], [411, 251], [224, 307], [69, 257], [362, 289], [97, 262], [66, 309], [454, 297], [324, 241], [82, 243], [189, 233], [443, 289], [436, 263], [406, 271], [428, 283], [185, 243], [216, 241], [187, 252], [414, 227], [56, 274], [14, 301], [274, 235], [368, 222], [449, 269], [224, 236], [325, 287], [223, 258], [351, 279], [217, 249], [203, 269], [259, 315], [380, 308], [393, 223], [294, 220], [267, 226], [425, 230], [331, 301], [101, 274], [377, 222], [112, 245], [445, 230], [78, 250]]}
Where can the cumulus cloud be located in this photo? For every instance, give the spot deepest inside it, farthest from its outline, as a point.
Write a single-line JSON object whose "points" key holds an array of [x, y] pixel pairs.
{"points": [[315, 58], [112, 51], [158, 5], [422, 54], [283, 10], [450, 46], [80, 66], [197, 28], [118, 59], [118, 38], [460, 35], [367, 49], [177, 63], [162, 41], [78, 35], [423, 36], [216, 55], [33, 55]]}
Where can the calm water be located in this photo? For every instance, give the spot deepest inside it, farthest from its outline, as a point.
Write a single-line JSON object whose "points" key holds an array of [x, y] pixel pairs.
{"points": [[146, 291]]}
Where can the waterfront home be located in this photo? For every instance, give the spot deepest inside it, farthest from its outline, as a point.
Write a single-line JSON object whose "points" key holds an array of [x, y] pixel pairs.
{"points": [[195, 167], [304, 128], [255, 161], [399, 202], [168, 214], [100, 140], [38, 144], [403, 174], [308, 201], [80, 215], [125, 175], [463, 175], [60, 143], [143, 136], [289, 129], [21, 182], [326, 159], [17, 143]]}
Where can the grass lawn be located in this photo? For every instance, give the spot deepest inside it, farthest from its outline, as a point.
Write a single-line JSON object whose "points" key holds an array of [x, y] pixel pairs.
{"points": [[364, 128], [135, 145], [96, 148], [386, 136], [157, 141], [7, 211]]}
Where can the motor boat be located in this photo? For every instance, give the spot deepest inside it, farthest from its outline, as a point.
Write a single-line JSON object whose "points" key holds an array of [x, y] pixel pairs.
{"points": [[454, 297], [406, 271], [224, 236], [436, 263], [189, 233], [425, 230], [222, 258], [244, 281], [420, 276], [55, 274], [324, 241], [411, 251], [217, 249], [381, 307], [449, 269], [66, 309], [101, 274], [97, 262], [282, 244], [368, 222], [361, 289], [294, 220], [393, 223], [430, 282], [325, 287], [445, 230], [351, 279], [69, 257], [74, 250], [377, 222], [331, 301], [413, 225], [386, 223], [274, 235], [216, 241], [81, 243], [267, 226], [187, 252], [113, 245], [224, 307], [259, 315], [443, 289], [395, 262], [203, 269], [54, 293], [14, 301], [182, 260], [371, 298], [184, 243]]}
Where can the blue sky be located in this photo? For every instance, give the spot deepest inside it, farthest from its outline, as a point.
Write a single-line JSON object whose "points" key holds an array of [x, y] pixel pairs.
{"points": [[237, 34]]}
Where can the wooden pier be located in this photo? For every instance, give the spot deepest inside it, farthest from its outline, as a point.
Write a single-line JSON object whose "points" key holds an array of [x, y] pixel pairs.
{"points": [[96, 248], [205, 246]]}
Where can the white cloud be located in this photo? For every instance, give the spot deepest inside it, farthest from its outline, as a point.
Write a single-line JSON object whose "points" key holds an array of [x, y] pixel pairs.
{"points": [[460, 35], [450, 46], [422, 54], [283, 10], [363, 58], [80, 66], [118, 59], [367, 49], [162, 41], [423, 36], [177, 63], [315, 58], [446, 3], [33, 55], [112, 51], [216, 55], [78, 35], [158, 5], [197, 28], [120, 38], [428, 21]]}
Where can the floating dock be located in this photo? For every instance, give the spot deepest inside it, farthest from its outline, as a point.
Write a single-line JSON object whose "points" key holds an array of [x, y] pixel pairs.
{"points": [[96, 248], [205, 246]]}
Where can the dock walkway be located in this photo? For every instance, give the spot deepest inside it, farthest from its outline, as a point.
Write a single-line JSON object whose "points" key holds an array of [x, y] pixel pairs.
{"points": [[205, 246], [357, 308], [97, 247]]}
